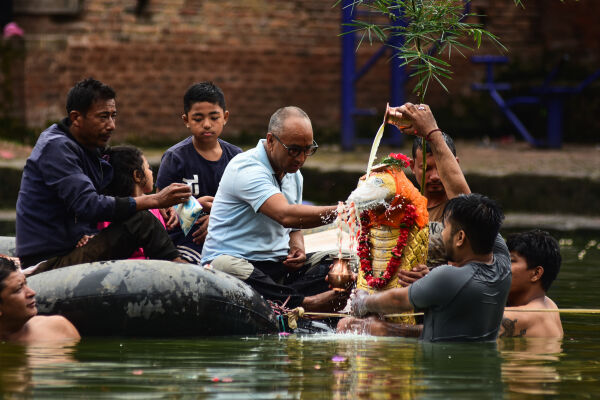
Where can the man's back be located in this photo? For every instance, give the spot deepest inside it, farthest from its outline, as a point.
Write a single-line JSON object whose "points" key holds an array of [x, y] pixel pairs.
{"points": [[464, 303]]}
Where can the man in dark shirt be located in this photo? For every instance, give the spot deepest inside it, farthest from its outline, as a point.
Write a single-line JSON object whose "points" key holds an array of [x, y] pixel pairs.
{"points": [[59, 199], [463, 301]]}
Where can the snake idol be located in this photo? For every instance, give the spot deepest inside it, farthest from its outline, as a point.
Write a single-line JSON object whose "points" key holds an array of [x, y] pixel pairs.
{"points": [[394, 226]]}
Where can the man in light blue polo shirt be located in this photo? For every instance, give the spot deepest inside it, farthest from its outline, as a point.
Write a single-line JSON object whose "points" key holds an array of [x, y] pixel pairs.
{"points": [[255, 221]]}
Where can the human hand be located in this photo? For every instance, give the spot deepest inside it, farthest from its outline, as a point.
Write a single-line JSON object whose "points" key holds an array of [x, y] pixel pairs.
{"points": [[170, 217], [83, 241], [421, 116], [173, 194], [206, 203], [358, 303], [200, 234], [407, 278], [394, 116], [350, 284], [295, 258]]}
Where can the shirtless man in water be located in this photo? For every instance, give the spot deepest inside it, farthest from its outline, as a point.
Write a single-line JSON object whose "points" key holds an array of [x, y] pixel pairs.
{"points": [[535, 262], [19, 321]]}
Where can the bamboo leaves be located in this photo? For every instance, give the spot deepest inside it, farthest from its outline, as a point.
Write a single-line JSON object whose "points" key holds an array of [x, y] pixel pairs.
{"points": [[429, 30]]}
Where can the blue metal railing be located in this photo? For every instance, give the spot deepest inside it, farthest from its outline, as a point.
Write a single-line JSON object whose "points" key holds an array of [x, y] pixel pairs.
{"points": [[552, 97], [350, 76]]}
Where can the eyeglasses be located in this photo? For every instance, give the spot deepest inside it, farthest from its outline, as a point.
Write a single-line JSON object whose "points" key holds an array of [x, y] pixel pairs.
{"points": [[295, 151]]}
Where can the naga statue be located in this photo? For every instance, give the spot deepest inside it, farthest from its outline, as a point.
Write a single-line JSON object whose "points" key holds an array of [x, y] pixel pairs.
{"points": [[394, 229]]}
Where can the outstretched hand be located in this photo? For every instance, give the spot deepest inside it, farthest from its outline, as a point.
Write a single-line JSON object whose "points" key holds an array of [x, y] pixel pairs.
{"points": [[358, 304], [173, 194]]}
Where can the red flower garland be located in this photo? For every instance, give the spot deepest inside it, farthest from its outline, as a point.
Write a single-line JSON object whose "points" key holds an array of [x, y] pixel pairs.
{"points": [[364, 250], [397, 159]]}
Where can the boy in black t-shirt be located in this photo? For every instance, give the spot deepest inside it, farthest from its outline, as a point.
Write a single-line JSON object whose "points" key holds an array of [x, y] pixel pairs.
{"points": [[198, 160]]}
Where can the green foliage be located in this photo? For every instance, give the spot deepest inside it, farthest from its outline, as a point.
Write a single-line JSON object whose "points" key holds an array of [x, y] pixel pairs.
{"points": [[429, 29]]}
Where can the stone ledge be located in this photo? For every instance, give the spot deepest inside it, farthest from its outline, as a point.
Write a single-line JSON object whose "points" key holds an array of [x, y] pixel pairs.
{"points": [[513, 221]]}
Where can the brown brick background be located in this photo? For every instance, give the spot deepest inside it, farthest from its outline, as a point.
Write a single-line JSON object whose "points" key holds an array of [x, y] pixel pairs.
{"points": [[263, 54]]}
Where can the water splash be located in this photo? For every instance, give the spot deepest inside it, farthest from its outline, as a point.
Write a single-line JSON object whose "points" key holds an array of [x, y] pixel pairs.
{"points": [[375, 147], [347, 215]]}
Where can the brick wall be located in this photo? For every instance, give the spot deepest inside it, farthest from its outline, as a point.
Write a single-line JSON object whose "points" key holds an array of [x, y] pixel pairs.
{"points": [[263, 53]]}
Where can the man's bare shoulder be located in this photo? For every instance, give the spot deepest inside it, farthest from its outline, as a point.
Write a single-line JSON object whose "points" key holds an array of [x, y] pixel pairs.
{"points": [[54, 327], [529, 320]]}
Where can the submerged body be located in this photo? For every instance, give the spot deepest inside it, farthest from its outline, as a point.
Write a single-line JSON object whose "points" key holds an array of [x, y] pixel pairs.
{"points": [[518, 322], [19, 321]]}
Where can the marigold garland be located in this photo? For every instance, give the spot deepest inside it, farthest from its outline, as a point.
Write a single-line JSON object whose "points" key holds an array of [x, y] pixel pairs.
{"points": [[364, 249]]}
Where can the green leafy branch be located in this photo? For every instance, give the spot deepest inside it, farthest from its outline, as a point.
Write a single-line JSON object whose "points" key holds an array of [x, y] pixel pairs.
{"points": [[429, 29]]}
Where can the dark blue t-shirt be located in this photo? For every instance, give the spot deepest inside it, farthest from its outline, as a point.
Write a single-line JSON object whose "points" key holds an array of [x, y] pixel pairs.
{"points": [[182, 163]]}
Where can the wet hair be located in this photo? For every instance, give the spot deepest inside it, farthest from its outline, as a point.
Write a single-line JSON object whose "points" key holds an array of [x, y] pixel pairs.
{"points": [[7, 267], [478, 216], [125, 160], [203, 91], [87, 92], [418, 144], [538, 248], [279, 117]]}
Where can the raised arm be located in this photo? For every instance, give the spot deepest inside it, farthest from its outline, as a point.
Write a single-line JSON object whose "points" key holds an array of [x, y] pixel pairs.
{"points": [[425, 125], [447, 164], [173, 194]]}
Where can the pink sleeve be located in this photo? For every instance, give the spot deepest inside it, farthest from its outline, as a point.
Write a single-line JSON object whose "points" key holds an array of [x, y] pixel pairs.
{"points": [[102, 225], [158, 215]]}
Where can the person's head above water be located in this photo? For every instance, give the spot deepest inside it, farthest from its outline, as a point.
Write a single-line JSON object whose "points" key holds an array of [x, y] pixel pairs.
{"points": [[7, 267], [535, 258], [19, 321], [92, 112], [289, 140], [471, 225], [17, 300], [433, 183]]}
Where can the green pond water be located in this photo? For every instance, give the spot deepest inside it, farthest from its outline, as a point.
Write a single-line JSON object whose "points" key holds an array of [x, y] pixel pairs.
{"points": [[329, 366]]}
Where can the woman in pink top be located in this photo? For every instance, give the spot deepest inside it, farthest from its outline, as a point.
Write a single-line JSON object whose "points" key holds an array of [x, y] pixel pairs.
{"points": [[132, 177]]}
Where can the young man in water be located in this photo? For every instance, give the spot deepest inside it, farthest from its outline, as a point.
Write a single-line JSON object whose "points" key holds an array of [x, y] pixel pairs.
{"points": [[444, 180], [535, 262], [463, 301], [19, 321]]}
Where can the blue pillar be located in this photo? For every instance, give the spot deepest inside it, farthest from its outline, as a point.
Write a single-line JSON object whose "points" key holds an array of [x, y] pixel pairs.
{"points": [[348, 72], [397, 79], [555, 121]]}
